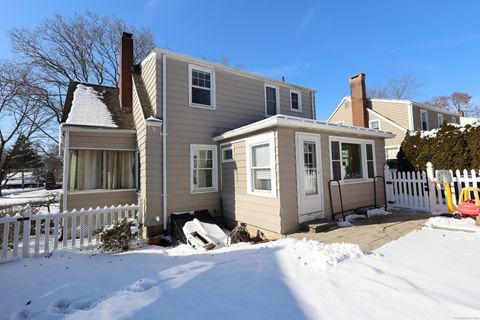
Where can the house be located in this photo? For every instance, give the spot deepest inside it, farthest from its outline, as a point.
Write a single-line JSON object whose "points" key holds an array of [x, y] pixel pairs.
{"points": [[186, 134], [396, 116]]}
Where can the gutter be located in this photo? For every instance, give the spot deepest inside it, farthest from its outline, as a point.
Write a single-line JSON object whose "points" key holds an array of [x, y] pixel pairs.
{"points": [[300, 123], [164, 143]]}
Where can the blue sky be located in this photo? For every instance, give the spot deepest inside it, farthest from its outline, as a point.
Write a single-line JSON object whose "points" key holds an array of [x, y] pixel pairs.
{"points": [[318, 44]]}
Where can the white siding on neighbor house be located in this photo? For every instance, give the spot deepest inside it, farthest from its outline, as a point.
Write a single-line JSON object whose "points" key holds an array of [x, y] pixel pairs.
{"points": [[393, 110]]}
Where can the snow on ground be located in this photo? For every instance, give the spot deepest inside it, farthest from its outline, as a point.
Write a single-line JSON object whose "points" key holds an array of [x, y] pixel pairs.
{"points": [[371, 213], [466, 224], [428, 274], [19, 197], [88, 109]]}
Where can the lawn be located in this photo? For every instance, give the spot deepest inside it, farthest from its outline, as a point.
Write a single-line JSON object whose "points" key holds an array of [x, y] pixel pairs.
{"points": [[427, 274]]}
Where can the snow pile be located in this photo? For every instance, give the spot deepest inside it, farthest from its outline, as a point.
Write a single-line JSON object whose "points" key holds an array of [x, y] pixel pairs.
{"points": [[465, 224], [88, 109], [317, 255], [371, 213]]}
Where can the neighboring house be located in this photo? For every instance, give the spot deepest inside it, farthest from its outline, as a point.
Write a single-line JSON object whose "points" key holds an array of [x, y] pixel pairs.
{"points": [[396, 116], [185, 134]]}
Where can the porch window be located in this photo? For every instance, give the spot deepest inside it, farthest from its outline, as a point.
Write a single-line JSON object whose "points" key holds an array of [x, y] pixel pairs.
{"points": [[261, 176], [204, 168], [97, 169], [351, 159]]}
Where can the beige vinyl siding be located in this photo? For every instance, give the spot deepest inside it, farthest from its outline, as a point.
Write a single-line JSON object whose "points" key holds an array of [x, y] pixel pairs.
{"points": [[240, 100], [150, 162], [386, 126], [343, 113], [100, 199], [152, 78], [259, 212], [100, 139], [392, 110], [355, 195]]}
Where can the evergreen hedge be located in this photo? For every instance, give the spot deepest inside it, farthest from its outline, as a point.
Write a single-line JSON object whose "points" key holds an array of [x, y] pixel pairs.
{"points": [[449, 147]]}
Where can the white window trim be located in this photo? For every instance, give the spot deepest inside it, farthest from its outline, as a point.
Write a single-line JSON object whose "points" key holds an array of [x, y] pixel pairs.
{"points": [[439, 123], [254, 141], [227, 147], [277, 96], [425, 112], [363, 143], [212, 87], [299, 93], [103, 171], [391, 147], [376, 120], [214, 188]]}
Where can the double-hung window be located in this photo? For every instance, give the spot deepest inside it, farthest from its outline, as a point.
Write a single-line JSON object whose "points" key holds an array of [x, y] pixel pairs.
{"points": [[455, 120], [439, 119], [424, 120], [272, 100], [203, 162], [351, 159], [374, 124], [202, 87], [295, 100], [261, 173]]}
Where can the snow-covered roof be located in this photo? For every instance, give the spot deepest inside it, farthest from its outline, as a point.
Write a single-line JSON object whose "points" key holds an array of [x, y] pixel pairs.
{"points": [[89, 109], [281, 120]]}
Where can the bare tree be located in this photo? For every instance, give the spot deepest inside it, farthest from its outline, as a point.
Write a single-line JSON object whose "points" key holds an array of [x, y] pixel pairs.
{"points": [[404, 87], [460, 102], [440, 102], [83, 48], [21, 112], [377, 92], [401, 87]]}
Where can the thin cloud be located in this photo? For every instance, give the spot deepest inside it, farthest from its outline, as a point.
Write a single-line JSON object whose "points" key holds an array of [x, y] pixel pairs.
{"points": [[294, 69], [307, 18], [439, 44]]}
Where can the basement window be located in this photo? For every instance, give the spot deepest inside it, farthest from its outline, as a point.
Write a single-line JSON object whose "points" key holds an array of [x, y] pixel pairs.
{"points": [[201, 87]]}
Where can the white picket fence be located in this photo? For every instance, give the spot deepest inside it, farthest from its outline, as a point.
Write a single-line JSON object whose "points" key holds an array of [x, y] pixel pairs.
{"points": [[420, 190], [43, 233]]}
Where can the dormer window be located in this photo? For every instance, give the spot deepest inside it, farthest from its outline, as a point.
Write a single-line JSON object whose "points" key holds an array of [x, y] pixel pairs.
{"points": [[272, 98], [201, 87]]}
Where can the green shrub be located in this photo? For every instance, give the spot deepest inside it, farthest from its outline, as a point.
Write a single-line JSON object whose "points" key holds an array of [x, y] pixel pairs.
{"points": [[449, 147], [50, 182], [119, 236]]}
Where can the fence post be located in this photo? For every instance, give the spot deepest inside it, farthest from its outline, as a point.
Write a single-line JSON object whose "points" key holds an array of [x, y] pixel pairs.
{"points": [[432, 195], [388, 187], [26, 231], [140, 210]]}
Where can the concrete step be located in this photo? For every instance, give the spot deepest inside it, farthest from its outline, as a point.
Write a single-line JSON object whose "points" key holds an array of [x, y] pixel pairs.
{"points": [[320, 225]]}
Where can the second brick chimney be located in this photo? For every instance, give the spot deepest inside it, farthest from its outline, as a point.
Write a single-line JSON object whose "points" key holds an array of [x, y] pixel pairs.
{"points": [[126, 65], [359, 100]]}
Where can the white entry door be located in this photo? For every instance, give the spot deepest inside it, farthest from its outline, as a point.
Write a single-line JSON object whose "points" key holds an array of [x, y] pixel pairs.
{"points": [[309, 176]]}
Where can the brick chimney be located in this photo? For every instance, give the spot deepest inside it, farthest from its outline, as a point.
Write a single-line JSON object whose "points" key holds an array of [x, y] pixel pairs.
{"points": [[359, 100], [126, 65]]}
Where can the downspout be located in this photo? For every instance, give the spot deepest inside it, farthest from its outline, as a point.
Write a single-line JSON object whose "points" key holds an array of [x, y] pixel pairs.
{"points": [[66, 166], [164, 142]]}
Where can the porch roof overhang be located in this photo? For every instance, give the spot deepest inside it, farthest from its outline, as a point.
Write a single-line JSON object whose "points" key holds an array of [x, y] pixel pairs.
{"points": [[281, 120]]}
